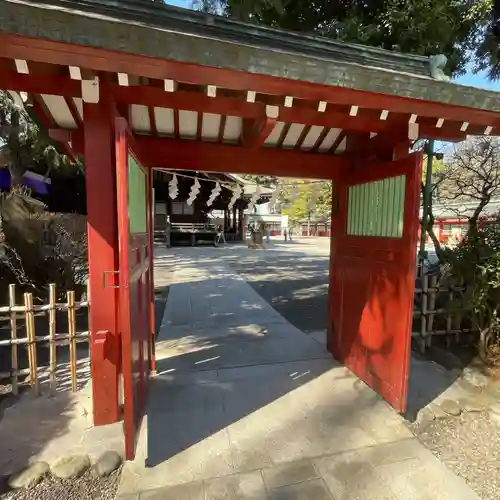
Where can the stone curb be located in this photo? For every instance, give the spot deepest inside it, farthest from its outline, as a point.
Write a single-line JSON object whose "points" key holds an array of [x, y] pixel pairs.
{"points": [[70, 467]]}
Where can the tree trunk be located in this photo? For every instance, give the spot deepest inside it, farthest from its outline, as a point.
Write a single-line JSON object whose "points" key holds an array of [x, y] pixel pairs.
{"points": [[473, 229], [16, 169], [430, 231]]}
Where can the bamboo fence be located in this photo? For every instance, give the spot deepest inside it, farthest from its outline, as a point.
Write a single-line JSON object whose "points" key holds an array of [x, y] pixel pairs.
{"points": [[26, 313], [439, 310]]}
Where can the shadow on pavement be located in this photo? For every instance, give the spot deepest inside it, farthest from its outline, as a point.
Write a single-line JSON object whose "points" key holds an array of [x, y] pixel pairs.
{"points": [[295, 284]]}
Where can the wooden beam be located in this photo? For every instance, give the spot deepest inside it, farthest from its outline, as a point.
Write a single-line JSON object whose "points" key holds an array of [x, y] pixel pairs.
{"points": [[236, 107], [40, 84], [48, 123], [213, 157], [222, 126], [74, 111], [152, 120], [338, 141], [201, 103], [60, 134], [381, 147], [71, 140], [189, 101], [102, 226], [48, 51], [255, 132]]}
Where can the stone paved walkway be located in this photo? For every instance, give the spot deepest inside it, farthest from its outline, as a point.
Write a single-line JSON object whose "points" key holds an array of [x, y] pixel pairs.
{"points": [[246, 406]]}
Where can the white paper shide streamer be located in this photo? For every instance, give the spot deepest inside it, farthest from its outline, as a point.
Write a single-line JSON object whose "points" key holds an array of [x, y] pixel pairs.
{"points": [[253, 199], [213, 195], [195, 189], [173, 188], [236, 195]]}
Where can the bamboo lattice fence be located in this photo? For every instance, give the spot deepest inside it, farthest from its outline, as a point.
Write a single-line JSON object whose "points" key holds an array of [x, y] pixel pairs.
{"points": [[22, 320], [439, 310]]}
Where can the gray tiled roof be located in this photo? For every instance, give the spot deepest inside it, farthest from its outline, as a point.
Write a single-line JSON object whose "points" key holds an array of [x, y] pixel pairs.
{"points": [[160, 31]]}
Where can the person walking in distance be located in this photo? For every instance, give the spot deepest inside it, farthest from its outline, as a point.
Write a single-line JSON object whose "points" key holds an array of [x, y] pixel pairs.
{"points": [[285, 234], [221, 237], [290, 232]]}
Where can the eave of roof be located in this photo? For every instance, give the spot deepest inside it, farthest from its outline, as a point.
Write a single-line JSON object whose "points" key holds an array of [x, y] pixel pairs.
{"points": [[163, 32], [463, 209]]}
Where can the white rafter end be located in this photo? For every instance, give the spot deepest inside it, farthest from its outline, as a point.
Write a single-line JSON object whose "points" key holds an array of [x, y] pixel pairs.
{"points": [[272, 111], [90, 90], [384, 114], [413, 131], [353, 111], [439, 123], [170, 85], [251, 95], [22, 67], [322, 106], [211, 91], [75, 73], [288, 101], [464, 127], [123, 79], [487, 130]]}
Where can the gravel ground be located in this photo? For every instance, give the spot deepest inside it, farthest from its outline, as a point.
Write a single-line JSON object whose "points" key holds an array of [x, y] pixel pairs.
{"points": [[468, 445], [86, 487]]}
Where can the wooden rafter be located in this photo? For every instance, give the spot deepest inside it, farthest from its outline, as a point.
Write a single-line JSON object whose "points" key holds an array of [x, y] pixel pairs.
{"points": [[255, 132], [449, 129]]}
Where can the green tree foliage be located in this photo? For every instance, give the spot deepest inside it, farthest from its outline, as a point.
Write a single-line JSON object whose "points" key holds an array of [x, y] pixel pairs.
{"points": [[23, 146], [24, 256], [475, 262], [314, 200], [263, 180], [457, 28]]}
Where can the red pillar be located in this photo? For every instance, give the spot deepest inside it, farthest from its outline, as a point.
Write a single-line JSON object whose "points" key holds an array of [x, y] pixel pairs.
{"points": [[150, 205], [100, 173]]}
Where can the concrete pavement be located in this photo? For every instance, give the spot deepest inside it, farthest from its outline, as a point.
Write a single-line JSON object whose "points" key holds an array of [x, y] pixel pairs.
{"points": [[246, 406]]}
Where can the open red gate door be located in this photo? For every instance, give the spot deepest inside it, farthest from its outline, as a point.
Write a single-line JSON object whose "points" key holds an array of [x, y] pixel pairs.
{"points": [[133, 200], [372, 276]]}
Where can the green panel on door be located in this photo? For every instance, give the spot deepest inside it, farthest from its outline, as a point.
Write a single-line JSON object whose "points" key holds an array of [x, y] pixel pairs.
{"points": [[377, 208], [137, 206]]}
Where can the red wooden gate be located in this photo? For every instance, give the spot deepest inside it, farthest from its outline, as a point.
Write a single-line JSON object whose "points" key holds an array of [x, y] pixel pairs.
{"points": [[135, 278], [372, 275]]}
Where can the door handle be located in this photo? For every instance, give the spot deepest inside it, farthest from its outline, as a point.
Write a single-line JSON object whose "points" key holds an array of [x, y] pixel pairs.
{"points": [[104, 281]]}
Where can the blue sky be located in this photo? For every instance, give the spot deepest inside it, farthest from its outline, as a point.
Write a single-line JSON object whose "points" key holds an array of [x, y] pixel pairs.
{"points": [[180, 3], [479, 80]]}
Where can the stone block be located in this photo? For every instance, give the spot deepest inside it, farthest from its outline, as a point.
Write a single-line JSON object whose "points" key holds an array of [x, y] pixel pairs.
{"points": [[30, 476], [71, 467], [107, 463]]}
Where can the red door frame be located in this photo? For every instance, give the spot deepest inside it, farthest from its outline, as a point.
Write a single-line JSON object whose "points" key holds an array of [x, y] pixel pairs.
{"points": [[359, 335], [136, 307]]}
